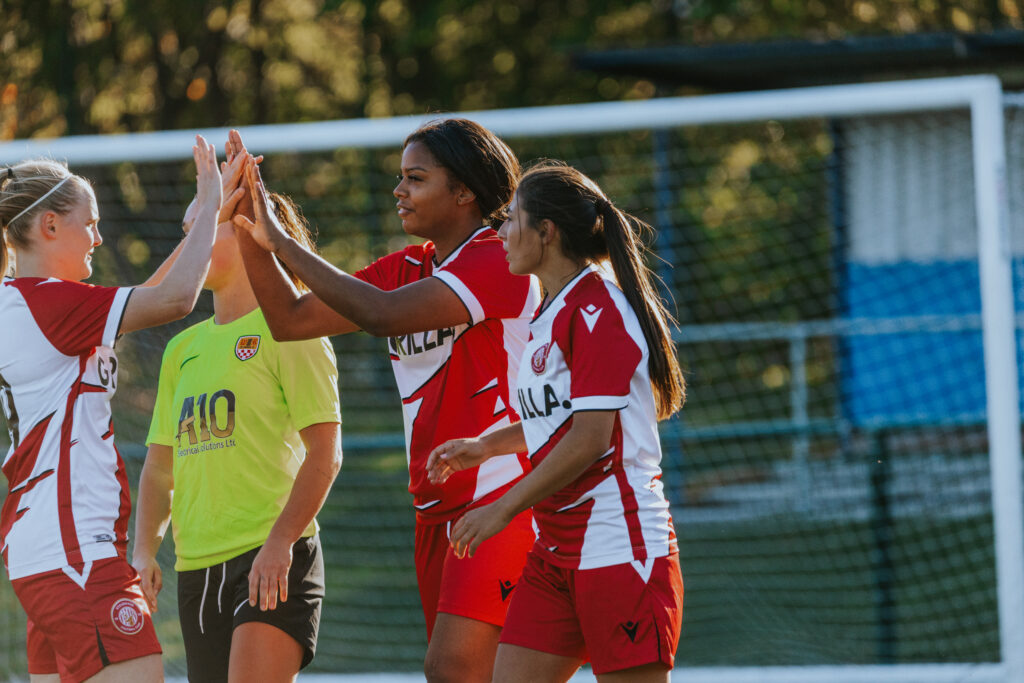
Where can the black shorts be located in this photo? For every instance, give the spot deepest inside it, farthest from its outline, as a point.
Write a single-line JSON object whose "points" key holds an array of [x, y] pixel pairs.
{"points": [[215, 600]]}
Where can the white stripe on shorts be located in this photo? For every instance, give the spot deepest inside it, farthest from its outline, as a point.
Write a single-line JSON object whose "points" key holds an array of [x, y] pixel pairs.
{"points": [[223, 578], [202, 601]]}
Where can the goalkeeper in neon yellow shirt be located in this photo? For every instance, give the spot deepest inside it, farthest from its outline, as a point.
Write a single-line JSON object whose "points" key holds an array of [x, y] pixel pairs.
{"points": [[243, 448]]}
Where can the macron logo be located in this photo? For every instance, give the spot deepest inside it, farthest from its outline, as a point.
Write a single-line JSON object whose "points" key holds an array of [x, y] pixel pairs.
{"points": [[590, 315]]}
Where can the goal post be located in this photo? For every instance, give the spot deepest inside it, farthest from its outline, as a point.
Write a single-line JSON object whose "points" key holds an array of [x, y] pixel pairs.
{"points": [[1000, 343], [831, 379]]}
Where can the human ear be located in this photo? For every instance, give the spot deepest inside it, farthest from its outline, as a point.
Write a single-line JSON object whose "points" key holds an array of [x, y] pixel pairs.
{"points": [[48, 225], [548, 231], [464, 196]]}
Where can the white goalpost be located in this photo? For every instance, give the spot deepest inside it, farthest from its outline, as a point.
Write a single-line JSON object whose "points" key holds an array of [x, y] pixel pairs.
{"points": [[811, 436]]}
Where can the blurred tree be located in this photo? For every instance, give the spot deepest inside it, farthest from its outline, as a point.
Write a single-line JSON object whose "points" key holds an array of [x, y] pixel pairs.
{"points": [[82, 66]]}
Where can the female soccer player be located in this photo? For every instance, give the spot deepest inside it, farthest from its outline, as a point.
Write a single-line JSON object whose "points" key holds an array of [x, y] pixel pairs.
{"points": [[457, 322], [602, 583], [63, 528], [246, 436]]}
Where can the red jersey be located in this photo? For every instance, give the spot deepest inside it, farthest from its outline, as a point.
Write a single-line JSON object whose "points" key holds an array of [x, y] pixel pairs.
{"points": [[588, 352], [68, 499], [456, 382]]}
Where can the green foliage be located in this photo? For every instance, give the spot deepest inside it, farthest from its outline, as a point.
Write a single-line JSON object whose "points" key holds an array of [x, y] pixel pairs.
{"points": [[107, 66]]}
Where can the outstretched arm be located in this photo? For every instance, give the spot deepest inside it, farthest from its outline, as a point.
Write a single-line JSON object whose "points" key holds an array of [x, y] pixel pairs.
{"points": [[177, 292], [423, 305], [289, 314]]}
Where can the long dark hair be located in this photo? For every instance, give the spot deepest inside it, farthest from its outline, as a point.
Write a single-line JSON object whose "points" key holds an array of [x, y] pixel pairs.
{"points": [[22, 186], [475, 157], [593, 229]]}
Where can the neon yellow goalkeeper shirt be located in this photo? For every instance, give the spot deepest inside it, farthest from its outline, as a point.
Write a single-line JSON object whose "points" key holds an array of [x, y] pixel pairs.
{"points": [[230, 404]]}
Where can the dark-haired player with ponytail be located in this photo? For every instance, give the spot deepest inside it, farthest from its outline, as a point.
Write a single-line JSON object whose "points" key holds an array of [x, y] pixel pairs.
{"points": [[602, 583], [457, 322]]}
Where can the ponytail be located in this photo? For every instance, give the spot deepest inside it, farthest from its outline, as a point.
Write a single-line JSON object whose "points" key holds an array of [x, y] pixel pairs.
{"points": [[5, 180], [294, 223], [3, 251], [592, 229], [626, 252]]}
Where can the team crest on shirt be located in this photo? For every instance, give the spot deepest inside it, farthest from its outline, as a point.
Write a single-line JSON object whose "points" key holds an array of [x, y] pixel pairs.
{"points": [[539, 360], [247, 346], [127, 617]]}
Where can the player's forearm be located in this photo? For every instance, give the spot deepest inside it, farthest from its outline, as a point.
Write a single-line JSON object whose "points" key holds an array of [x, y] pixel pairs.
{"points": [[582, 445], [187, 272], [508, 439], [361, 303], [289, 315], [152, 509], [277, 299], [313, 482], [159, 274], [176, 294]]}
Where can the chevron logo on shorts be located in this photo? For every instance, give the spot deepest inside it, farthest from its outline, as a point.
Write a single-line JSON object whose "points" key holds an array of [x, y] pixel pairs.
{"points": [[506, 589], [630, 628]]}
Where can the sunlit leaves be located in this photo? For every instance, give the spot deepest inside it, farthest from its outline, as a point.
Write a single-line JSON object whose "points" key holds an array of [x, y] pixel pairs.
{"points": [[119, 65]]}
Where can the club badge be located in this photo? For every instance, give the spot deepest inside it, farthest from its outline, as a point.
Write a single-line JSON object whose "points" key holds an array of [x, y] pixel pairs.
{"points": [[539, 360], [246, 347], [127, 617]]}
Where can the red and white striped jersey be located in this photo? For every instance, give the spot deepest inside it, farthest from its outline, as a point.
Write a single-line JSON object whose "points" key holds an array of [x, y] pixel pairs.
{"points": [[456, 382], [587, 352], [68, 500]]}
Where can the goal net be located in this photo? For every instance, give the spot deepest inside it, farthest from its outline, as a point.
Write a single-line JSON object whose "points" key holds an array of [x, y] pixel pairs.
{"points": [[845, 477]]}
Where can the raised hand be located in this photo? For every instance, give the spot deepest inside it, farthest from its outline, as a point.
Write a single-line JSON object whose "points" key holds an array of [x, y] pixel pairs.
{"points": [[234, 146], [232, 185], [266, 230], [452, 456], [235, 152], [209, 192]]}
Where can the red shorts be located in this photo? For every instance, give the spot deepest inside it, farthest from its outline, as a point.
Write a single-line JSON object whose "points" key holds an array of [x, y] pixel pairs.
{"points": [[610, 616], [76, 632], [477, 587]]}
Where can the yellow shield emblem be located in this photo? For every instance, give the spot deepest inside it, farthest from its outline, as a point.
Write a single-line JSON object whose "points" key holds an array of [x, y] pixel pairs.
{"points": [[246, 347]]}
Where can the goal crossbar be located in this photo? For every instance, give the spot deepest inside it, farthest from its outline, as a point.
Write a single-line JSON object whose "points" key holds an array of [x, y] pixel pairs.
{"points": [[825, 101]]}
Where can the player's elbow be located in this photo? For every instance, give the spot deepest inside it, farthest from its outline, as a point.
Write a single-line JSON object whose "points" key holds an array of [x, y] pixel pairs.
{"points": [[334, 464], [379, 322], [174, 306], [282, 330], [328, 463], [280, 335], [182, 305]]}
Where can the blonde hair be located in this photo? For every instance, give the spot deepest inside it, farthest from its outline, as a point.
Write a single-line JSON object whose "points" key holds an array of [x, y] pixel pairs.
{"points": [[294, 223], [28, 189]]}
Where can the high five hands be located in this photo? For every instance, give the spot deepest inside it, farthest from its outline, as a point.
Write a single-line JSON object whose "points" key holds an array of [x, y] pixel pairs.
{"points": [[264, 227]]}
